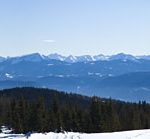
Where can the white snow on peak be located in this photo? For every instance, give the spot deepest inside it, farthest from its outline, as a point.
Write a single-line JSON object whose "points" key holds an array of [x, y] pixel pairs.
{"points": [[70, 58], [56, 56], [89, 58], [85, 58], [101, 57]]}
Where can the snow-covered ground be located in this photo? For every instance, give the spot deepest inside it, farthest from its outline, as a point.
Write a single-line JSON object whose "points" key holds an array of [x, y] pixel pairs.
{"points": [[136, 134]]}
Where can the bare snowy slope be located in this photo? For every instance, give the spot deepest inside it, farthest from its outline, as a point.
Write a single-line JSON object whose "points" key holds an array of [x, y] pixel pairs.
{"points": [[137, 134]]}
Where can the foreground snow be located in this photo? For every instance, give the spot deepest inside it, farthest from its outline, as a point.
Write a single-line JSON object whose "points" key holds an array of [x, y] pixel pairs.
{"points": [[137, 134]]}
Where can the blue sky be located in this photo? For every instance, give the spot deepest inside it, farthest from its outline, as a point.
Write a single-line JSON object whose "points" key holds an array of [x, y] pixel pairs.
{"points": [[74, 27]]}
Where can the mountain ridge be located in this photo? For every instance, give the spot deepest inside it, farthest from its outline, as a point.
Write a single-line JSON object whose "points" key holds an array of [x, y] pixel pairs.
{"points": [[37, 57], [122, 76]]}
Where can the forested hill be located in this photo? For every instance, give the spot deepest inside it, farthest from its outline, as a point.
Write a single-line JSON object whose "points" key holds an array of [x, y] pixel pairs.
{"points": [[44, 110], [33, 94]]}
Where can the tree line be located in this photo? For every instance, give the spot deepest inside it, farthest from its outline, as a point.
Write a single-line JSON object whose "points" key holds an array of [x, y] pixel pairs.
{"points": [[49, 110]]}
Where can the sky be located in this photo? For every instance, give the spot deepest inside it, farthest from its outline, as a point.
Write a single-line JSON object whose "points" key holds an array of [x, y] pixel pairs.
{"points": [[76, 27]]}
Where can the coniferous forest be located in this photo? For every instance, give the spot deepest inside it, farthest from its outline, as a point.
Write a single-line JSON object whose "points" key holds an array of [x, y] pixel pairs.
{"points": [[43, 110]]}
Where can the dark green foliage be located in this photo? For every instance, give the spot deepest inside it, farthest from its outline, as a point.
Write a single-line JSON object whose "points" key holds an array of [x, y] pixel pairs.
{"points": [[43, 110]]}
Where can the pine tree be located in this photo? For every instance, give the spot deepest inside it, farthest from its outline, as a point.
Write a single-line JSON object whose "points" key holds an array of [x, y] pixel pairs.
{"points": [[95, 115]]}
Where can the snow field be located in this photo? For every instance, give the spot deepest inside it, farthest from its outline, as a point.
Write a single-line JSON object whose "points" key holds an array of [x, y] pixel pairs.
{"points": [[136, 134]]}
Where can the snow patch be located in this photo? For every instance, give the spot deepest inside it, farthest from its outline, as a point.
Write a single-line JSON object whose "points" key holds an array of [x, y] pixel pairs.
{"points": [[8, 75]]}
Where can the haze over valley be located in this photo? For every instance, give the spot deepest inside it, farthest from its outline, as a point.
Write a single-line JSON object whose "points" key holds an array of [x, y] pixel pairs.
{"points": [[121, 76]]}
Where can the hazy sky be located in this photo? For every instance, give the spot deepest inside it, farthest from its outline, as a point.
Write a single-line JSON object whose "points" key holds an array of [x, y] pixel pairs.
{"points": [[74, 27]]}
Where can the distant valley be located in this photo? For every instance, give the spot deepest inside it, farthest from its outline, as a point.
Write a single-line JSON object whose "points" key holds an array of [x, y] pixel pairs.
{"points": [[120, 76]]}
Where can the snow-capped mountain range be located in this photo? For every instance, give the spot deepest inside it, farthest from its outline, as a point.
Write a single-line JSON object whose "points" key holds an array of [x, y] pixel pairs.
{"points": [[118, 76], [100, 57], [36, 57]]}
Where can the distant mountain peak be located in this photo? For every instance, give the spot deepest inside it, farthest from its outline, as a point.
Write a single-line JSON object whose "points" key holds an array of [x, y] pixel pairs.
{"points": [[56, 56], [71, 58], [34, 57], [122, 56]]}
